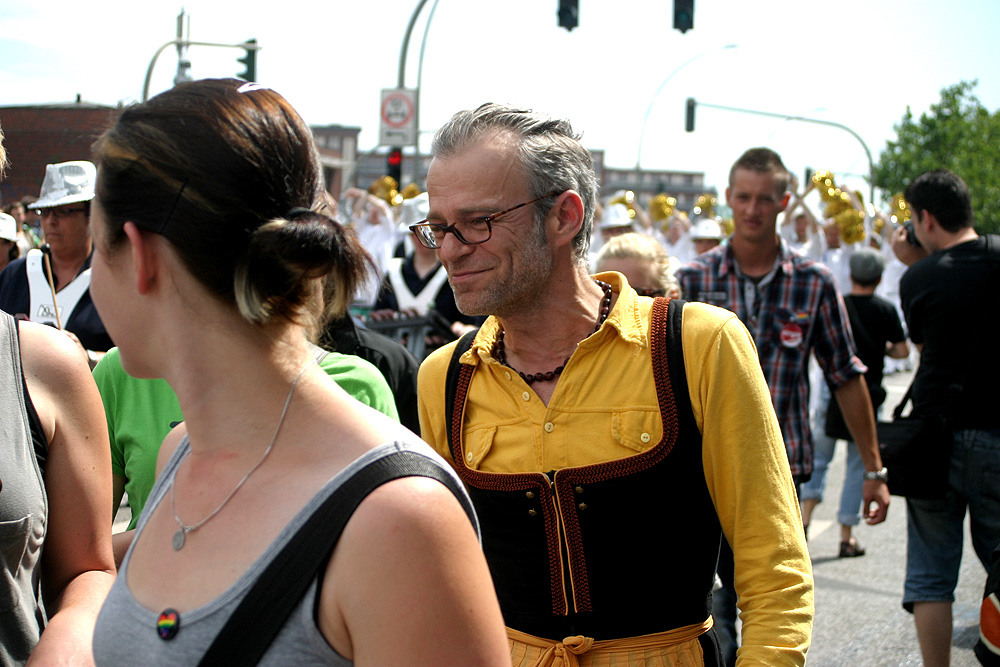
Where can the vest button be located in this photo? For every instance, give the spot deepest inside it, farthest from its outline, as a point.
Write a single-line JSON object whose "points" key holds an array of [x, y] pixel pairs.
{"points": [[529, 495], [532, 512], [582, 506], [578, 489]]}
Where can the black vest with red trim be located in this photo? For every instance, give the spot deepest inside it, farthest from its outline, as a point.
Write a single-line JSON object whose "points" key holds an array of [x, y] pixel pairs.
{"points": [[610, 550]]}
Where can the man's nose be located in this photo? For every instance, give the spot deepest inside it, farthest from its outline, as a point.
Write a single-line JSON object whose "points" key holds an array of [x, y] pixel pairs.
{"points": [[451, 248]]}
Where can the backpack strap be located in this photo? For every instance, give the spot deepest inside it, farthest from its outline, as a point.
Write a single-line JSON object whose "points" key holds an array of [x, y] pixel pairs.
{"points": [[451, 383], [281, 586], [675, 359]]}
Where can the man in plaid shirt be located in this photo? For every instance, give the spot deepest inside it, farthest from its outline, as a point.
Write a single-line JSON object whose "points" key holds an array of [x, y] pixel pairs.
{"points": [[791, 306]]}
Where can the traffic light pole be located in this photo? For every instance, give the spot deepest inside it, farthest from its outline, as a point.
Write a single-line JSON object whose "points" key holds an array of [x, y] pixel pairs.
{"points": [[401, 82], [649, 109], [868, 153], [185, 43]]}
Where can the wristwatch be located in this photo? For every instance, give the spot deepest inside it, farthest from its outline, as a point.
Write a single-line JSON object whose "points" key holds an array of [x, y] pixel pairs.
{"points": [[880, 475]]}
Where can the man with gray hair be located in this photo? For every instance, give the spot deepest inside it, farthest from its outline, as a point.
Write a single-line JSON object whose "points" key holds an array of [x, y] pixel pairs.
{"points": [[581, 432]]}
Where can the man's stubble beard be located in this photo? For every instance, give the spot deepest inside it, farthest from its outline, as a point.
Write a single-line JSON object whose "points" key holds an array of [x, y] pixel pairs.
{"points": [[529, 279]]}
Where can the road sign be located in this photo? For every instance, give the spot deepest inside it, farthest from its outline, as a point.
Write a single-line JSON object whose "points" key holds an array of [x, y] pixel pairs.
{"points": [[398, 117]]}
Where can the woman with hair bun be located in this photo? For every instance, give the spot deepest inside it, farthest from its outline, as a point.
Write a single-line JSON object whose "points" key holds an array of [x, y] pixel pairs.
{"points": [[212, 262]]}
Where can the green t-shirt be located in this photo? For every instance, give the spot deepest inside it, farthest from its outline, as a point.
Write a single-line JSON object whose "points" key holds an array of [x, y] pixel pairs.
{"points": [[140, 413]]}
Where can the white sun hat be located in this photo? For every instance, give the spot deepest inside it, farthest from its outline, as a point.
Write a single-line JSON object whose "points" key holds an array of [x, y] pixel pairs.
{"points": [[67, 183]]}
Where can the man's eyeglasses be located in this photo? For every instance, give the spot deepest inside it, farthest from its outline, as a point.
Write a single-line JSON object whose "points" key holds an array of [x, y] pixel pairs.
{"points": [[470, 232], [60, 213]]}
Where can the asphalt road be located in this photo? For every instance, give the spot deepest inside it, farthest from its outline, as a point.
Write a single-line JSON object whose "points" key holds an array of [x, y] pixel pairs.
{"points": [[859, 618]]}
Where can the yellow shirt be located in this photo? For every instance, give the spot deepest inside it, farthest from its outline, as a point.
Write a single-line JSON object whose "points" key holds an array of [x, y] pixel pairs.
{"points": [[604, 408]]}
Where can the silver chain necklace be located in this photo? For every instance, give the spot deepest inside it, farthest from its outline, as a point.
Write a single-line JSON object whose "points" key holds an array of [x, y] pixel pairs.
{"points": [[181, 535]]}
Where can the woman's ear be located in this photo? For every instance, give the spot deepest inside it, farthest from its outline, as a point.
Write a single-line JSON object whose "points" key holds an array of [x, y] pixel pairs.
{"points": [[145, 260]]}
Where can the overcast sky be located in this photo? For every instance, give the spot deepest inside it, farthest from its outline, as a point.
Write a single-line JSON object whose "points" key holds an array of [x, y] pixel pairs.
{"points": [[858, 63]]}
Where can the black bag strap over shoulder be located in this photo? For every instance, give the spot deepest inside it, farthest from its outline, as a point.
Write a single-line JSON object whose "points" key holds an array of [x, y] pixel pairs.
{"points": [[451, 378], [281, 586]]}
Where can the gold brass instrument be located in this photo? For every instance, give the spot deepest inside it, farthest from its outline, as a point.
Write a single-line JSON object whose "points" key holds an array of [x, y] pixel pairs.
{"points": [[661, 207], [899, 211], [704, 206], [728, 226], [840, 208], [626, 197], [410, 191], [387, 189]]}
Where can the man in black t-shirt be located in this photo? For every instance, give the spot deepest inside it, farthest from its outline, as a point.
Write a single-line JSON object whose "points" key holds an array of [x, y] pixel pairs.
{"points": [[877, 333], [952, 305]]}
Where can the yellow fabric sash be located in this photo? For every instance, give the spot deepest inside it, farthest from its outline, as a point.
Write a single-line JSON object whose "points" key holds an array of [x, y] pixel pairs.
{"points": [[541, 652]]}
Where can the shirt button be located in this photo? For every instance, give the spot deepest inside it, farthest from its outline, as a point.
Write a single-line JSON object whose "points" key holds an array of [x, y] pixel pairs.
{"points": [[525, 396], [644, 437], [507, 374], [468, 457], [549, 427]]}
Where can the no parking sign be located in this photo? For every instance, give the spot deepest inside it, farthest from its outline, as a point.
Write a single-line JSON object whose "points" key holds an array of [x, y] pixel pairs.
{"points": [[398, 117]]}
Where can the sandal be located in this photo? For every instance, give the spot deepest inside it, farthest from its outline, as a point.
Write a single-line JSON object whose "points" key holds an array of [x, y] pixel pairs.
{"points": [[851, 549]]}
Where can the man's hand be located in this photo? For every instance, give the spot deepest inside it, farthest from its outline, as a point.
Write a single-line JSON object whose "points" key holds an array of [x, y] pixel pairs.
{"points": [[875, 492], [907, 253]]}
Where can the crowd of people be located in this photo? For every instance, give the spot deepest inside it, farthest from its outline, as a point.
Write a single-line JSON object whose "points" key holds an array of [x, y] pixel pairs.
{"points": [[562, 371]]}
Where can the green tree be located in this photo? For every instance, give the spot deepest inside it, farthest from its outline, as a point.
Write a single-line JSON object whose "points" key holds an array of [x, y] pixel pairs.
{"points": [[956, 133]]}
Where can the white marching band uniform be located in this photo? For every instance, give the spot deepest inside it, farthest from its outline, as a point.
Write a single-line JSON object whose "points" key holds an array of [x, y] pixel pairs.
{"points": [[420, 303], [42, 308]]}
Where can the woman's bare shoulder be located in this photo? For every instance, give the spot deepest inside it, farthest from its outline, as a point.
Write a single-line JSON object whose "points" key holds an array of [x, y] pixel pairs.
{"points": [[49, 356]]}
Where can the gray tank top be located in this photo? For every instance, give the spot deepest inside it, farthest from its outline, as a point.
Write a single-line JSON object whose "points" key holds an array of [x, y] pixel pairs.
{"points": [[23, 510], [126, 631]]}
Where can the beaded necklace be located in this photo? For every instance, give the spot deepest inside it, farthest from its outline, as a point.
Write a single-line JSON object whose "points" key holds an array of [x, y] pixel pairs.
{"points": [[501, 356]]}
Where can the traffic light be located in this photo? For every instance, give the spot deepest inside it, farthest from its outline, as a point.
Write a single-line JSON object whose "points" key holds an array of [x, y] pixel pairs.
{"points": [[249, 61], [395, 163], [683, 15], [569, 14], [689, 116]]}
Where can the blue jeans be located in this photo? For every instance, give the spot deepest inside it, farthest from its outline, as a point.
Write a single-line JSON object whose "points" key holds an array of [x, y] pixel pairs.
{"points": [[823, 451], [934, 527]]}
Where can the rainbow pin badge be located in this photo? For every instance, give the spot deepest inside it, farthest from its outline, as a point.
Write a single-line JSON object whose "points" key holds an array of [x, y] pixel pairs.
{"points": [[168, 623]]}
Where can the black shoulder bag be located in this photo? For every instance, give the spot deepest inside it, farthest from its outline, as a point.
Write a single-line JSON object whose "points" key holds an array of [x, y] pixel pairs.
{"points": [[257, 620]]}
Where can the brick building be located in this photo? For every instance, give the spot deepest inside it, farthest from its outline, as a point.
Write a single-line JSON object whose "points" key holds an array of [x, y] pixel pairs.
{"points": [[39, 135], [338, 152]]}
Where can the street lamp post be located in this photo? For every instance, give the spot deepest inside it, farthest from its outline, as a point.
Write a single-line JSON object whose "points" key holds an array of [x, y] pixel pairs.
{"points": [[649, 109], [185, 43]]}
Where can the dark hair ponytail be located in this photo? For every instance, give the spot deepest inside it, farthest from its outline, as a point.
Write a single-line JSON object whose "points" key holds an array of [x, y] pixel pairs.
{"points": [[295, 261], [228, 172]]}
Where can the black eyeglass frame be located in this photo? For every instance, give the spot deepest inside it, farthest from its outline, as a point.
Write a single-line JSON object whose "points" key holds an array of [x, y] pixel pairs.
{"points": [[59, 215], [453, 228]]}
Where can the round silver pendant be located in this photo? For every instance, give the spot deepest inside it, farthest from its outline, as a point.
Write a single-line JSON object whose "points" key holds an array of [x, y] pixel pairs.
{"points": [[178, 540]]}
